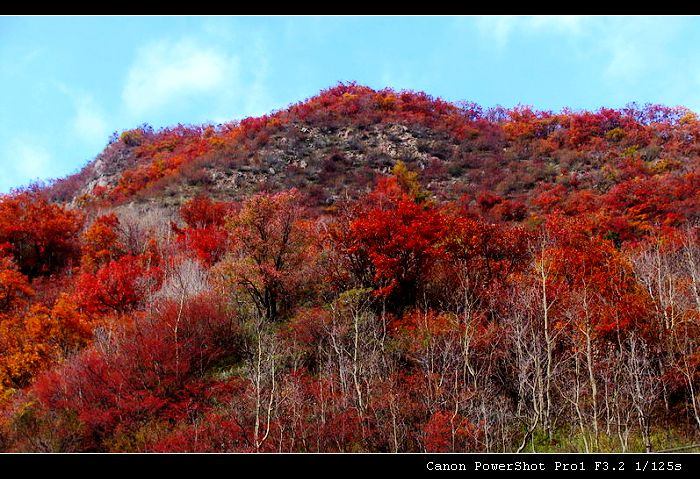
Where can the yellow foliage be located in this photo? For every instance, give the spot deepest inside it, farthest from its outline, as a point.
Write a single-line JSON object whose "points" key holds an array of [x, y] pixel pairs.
{"points": [[408, 180]]}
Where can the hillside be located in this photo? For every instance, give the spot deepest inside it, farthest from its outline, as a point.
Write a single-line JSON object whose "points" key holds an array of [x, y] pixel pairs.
{"points": [[361, 271], [334, 145]]}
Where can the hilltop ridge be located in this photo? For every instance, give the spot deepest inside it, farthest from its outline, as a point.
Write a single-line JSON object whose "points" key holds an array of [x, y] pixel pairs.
{"points": [[336, 144]]}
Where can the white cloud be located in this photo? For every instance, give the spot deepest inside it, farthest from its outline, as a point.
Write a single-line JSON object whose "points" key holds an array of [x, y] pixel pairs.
{"points": [[257, 101], [30, 160], [636, 46], [497, 28], [624, 51], [570, 24], [25, 161], [500, 28], [165, 72], [626, 60], [89, 122]]}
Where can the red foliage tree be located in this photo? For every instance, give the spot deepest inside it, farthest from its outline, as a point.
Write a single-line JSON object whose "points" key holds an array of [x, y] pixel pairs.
{"points": [[590, 269], [148, 369], [205, 234], [201, 212], [389, 242], [43, 237], [450, 432], [119, 285]]}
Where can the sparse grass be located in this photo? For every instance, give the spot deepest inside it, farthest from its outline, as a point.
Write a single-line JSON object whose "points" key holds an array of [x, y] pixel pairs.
{"points": [[563, 441]]}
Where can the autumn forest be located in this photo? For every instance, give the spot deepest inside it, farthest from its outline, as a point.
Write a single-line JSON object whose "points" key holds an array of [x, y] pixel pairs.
{"points": [[364, 271]]}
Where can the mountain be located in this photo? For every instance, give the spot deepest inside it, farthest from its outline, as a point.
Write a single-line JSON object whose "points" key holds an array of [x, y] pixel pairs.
{"points": [[333, 146], [366, 270]]}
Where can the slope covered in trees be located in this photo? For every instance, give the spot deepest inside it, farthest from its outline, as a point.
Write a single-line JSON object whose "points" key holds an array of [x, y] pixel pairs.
{"points": [[363, 271]]}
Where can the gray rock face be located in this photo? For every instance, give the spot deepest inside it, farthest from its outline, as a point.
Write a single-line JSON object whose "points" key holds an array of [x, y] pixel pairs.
{"points": [[330, 161]]}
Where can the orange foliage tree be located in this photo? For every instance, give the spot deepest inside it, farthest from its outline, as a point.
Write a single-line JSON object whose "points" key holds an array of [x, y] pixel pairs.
{"points": [[272, 252]]}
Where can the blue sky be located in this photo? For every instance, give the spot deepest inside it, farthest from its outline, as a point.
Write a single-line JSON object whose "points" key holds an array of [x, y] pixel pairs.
{"points": [[67, 83]]}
